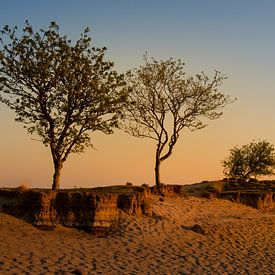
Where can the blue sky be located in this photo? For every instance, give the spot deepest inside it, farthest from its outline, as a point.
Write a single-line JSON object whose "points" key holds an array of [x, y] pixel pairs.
{"points": [[234, 37]]}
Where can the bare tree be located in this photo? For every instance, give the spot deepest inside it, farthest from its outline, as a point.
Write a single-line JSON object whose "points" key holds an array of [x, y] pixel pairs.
{"points": [[59, 90], [164, 101]]}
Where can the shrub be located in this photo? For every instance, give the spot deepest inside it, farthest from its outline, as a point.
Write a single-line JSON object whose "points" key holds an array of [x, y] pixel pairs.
{"points": [[129, 184], [22, 188], [218, 186], [253, 159]]}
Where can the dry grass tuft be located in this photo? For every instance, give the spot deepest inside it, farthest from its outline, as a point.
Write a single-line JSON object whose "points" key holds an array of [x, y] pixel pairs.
{"points": [[22, 188], [218, 186]]}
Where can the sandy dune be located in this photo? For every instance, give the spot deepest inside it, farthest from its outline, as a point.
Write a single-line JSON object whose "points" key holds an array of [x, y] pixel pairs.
{"points": [[237, 240]]}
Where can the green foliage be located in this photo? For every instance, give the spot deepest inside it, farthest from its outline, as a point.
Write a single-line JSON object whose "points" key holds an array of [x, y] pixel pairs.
{"points": [[58, 89], [253, 159]]}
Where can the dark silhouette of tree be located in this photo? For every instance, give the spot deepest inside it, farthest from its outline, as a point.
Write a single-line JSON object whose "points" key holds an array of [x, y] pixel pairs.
{"points": [[253, 159], [164, 101], [58, 89]]}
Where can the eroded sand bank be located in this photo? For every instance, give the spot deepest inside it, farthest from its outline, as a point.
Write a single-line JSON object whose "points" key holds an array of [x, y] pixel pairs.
{"points": [[237, 240]]}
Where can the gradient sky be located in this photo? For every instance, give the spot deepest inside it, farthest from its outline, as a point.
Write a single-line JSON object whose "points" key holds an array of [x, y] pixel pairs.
{"points": [[234, 37]]}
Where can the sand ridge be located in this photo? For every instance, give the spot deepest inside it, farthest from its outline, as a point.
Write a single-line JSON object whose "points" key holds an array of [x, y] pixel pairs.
{"points": [[237, 240]]}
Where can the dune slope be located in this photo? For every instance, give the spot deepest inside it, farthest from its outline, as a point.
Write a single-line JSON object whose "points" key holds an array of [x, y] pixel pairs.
{"points": [[228, 238]]}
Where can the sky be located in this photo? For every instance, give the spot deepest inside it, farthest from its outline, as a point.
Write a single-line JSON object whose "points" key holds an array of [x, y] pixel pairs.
{"points": [[234, 37]]}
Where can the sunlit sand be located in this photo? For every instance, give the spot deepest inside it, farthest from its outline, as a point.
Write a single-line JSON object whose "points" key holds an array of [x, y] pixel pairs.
{"points": [[235, 239]]}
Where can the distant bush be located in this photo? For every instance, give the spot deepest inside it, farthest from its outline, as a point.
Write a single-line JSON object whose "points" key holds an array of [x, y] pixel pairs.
{"points": [[129, 184], [253, 159], [22, 188]]}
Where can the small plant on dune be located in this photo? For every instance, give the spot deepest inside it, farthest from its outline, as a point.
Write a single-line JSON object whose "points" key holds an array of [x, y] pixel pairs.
{"points": [[218, 186], [129, 184], [22, 188]]}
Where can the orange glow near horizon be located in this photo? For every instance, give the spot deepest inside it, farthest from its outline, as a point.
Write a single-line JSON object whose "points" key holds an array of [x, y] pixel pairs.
{"points": [[118, 158], [234, 37]]}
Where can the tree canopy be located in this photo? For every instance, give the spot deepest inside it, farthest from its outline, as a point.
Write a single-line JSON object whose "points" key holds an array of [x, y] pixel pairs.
{"points": [[254, 159], [58, 89], [163, 101]]}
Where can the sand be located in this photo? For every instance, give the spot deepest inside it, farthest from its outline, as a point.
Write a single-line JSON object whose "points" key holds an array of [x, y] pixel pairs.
{"points": [[237, 240]]}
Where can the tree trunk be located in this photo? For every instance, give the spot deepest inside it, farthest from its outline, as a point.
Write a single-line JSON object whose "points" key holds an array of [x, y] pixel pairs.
{"points": [[157, 176], [57, 173]]}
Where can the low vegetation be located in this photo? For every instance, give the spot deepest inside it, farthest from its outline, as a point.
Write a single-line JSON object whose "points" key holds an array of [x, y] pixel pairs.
{"points": [[252, 160]]}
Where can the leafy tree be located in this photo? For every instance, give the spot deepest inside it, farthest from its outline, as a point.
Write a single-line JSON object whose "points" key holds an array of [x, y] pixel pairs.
{"points": [[164, 101], [253, 159], [58, 89]]}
